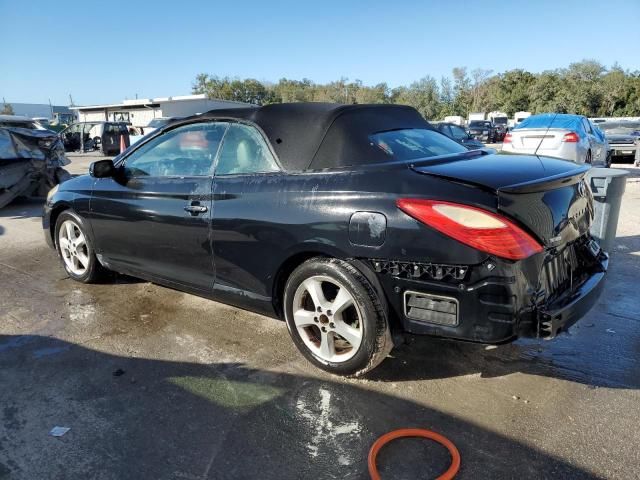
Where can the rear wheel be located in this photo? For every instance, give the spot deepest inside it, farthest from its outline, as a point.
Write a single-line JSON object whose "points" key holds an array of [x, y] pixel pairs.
{"points": [[335, 317], [75, 249]]}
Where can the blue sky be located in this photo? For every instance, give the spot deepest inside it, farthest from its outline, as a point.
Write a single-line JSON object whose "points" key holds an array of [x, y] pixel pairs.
{"points": [[49, 49]]}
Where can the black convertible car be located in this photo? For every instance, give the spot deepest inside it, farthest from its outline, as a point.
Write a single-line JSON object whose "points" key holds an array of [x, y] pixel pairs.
{"points": [[348, 221]]}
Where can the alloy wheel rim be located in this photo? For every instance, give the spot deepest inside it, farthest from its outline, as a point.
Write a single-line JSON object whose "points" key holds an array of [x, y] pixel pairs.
{"points": [[73, 247], [327, 319]]}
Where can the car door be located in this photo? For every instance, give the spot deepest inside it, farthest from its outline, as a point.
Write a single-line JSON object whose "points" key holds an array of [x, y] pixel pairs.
{"points": [[246, 239], [154, 216], [71, 137], [594, 143]]}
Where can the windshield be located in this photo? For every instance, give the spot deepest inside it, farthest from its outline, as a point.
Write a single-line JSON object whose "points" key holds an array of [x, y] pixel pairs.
{"points": [[500, 120], [409, 144], [620, 128]]}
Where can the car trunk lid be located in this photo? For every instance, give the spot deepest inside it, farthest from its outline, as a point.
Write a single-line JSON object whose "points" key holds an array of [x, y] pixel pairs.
{"points": [[529, 139], [546, 195]]}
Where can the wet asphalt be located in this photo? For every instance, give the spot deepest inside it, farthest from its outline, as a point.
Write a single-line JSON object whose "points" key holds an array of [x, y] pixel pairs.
{"points": [[159, 384]]}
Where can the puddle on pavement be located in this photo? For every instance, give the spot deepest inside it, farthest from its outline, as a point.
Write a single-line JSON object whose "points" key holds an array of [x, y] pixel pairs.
{"points": [[236, 395]]}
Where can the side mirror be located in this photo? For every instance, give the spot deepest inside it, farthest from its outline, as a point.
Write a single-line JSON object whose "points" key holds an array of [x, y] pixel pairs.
{"points": [[102, 169]]}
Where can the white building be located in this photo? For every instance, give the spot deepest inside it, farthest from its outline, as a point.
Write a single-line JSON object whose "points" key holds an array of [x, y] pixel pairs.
{"points": [[141, 111]]}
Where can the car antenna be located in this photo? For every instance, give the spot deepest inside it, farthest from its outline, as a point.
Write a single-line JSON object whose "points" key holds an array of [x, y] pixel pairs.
{"points": [[545, 134]]}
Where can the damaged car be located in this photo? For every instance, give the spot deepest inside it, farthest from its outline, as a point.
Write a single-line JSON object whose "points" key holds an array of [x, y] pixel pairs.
{"points": [[31, 160], [350, 222]]}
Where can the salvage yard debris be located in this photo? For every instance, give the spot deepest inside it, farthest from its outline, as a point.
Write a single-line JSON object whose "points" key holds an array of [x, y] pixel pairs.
{"points": [[59, 431]]}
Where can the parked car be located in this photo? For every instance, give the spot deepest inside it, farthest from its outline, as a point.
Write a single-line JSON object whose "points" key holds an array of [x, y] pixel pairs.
{"points": [[570, 137], [347, 221], [482, 130], [102, 136], [623, 139], [458, 134], [31, 159], [500, 124]]}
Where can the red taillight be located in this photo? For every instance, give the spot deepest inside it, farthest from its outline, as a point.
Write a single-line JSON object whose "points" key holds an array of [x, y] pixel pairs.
{"points": [[571, 137], [507, 138], [473, 226]]}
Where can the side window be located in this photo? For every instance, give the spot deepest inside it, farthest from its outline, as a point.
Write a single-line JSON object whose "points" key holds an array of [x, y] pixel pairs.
{"points": [[186, 151], [244, 150]]}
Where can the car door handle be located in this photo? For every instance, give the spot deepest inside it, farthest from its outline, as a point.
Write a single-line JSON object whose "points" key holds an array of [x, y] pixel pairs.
{"points": [[195, 209]]}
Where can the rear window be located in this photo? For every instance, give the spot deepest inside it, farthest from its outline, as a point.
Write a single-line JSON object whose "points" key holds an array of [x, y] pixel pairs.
{"points": [[479, 124], [412, 143], [551, 121]]}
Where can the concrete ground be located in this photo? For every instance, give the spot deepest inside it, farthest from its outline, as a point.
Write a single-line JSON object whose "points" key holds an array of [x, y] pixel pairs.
{"points": [[158, 384]]}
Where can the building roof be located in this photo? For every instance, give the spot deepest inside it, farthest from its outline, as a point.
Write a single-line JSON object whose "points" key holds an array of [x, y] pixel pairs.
{"points": [[141, 102], [323, 135]]}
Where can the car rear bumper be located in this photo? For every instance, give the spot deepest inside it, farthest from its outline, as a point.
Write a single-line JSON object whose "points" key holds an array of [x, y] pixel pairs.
{"points": [[566, 151], [618, 150], [563, 313], [494, 302]]}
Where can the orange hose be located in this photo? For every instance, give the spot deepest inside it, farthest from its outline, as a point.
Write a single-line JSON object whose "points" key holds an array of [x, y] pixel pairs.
{"points": [[414, 432]]}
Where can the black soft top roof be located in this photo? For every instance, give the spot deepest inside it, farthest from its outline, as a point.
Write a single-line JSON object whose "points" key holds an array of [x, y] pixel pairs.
{"points": [[324, 135]]}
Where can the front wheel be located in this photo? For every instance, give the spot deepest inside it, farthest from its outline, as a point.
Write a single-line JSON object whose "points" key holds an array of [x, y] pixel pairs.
{"points": [[335, 317], [75, 249]]}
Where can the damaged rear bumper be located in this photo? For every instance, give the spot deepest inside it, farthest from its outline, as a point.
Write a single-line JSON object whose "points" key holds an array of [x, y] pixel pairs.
{"points": [[564, 312], [493, 302]]}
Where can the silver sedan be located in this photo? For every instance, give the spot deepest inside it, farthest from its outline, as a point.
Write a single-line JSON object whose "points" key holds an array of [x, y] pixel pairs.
{"points": [[570, 137]]}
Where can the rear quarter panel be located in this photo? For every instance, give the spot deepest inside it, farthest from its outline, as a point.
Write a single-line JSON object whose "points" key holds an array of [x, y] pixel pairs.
{"points": [[260, 222]]}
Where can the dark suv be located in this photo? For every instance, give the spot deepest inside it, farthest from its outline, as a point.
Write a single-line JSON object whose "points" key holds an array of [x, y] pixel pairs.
{"points": [[482, 130], [459, 134]]}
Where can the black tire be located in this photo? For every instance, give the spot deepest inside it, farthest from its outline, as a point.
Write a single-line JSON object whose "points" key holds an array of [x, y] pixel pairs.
{"points": [[376, 340], [94, 271], [587, 159]]}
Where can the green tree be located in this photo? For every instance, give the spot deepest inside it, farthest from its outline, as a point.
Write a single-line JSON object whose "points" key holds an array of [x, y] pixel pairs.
{"points": [[447, 97], [513, 93], [615, 89], [584, 87], [462, 91], [422, 95], [7, 109], [548, 94], [583, 81]]}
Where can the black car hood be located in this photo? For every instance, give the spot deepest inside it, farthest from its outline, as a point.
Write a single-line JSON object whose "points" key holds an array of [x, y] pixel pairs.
{"points": [[501, 172]]}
